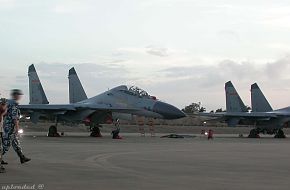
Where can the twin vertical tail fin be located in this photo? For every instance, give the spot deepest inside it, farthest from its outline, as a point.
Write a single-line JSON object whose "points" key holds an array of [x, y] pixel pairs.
{"points": [[76, 90], [36, 92], [258, 100], [234, 102]]}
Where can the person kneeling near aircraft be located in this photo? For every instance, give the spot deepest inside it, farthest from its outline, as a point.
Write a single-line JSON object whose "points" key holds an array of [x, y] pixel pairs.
{"points": [[210, 134], [95, 131], [52, 131], [11, 127], [115, 133]]}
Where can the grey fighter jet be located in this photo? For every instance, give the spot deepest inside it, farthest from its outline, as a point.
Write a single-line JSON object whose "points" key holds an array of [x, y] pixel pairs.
{"points": [[120, 102], [235, 108], [262, 116]]}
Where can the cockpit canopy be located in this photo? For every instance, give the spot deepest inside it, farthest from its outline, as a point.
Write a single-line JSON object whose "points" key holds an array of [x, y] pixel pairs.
{"points": [[138, 91], [134, 91]]}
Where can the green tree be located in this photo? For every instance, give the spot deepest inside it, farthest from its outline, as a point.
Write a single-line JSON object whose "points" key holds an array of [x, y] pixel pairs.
{"points": [[202, 109], [219, 110], [193, 108]]}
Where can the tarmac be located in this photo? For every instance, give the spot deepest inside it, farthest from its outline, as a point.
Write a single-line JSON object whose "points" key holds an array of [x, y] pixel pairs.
{"points": [[77, 161]]}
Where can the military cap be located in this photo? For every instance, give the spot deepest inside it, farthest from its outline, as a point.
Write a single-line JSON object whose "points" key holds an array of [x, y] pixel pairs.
{"points": [[16, 92]]}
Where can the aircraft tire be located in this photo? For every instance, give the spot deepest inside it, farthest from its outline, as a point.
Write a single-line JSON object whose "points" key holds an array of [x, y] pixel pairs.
{"points": [[253, 134], [280, 134]]}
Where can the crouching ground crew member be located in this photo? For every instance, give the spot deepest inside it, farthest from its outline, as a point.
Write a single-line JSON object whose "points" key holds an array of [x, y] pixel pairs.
{"points": [[115, 133], [11, 126], [3, 111], [210, 134]]}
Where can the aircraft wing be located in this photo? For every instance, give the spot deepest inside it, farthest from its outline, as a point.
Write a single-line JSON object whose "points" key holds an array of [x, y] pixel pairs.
{"points": [[246, 115], [47, 107], [105, 107], [253, 114], [34, 111], [221, 114], [233, 118], [73, 107]]}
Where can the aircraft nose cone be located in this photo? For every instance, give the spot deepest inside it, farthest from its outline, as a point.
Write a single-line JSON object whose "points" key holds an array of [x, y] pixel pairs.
{"points": [[168, 111]]}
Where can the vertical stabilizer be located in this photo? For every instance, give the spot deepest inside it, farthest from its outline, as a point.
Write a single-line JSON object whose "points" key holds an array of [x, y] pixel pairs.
{"points": [[36, 92], [234, 102], [258, 100], [76, 90]]}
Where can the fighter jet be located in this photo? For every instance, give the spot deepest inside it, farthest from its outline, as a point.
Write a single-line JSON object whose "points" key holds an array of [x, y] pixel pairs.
{"points": [[268, 120], [120, 102], [262, 117], [235, 108]]}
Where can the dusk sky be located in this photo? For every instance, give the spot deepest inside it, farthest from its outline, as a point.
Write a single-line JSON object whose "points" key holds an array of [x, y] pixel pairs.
{"points": [[181, 51]]}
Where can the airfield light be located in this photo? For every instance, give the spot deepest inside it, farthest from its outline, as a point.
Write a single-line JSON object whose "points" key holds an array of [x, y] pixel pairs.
{"points": [[20, 131]]}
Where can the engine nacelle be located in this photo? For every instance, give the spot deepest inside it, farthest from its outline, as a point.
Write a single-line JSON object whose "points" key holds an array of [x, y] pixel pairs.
{"points": [[123, 116], [99, 118]]}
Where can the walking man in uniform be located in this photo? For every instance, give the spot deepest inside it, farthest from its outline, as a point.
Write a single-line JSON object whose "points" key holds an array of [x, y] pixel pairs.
{"points": [[11, 126], [3, 111]]}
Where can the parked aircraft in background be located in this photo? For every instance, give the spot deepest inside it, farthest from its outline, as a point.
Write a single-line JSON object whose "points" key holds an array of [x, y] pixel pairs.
{"points": [[262, 117], [120, 102]]}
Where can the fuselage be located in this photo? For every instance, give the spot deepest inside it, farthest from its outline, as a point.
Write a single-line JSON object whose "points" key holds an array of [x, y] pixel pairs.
{"points": [[138, 101]]}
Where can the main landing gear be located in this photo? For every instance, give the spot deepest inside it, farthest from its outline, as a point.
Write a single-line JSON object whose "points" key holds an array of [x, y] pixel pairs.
{"points": [[95, 130], [280, 134], [254, 133]]}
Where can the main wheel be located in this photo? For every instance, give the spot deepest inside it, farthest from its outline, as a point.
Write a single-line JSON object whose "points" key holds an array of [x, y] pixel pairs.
{"points": [[254, 134], [280, 134]]}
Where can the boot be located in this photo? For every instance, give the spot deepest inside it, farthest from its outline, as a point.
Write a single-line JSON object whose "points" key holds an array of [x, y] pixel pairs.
{"points": [[23, 159], [3, 162], [2, 169]]}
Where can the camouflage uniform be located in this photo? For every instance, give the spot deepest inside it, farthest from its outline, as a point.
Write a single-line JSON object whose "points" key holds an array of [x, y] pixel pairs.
{"points": [[3, 110], [10, 135], [1, 146]]}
